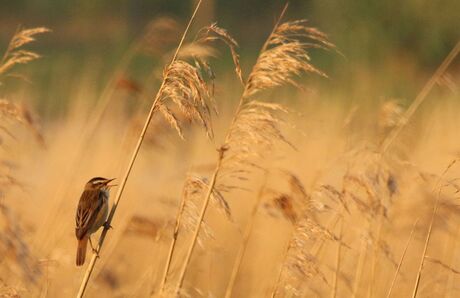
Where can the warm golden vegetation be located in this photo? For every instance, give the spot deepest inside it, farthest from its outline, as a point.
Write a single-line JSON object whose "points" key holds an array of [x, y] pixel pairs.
{"points": [[247, 185]]}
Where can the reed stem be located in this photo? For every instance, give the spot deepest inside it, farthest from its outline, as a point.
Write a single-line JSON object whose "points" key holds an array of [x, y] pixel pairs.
{"points": [[200, 221], [420, 98], [217, 169], [244, 244], [425, 247], [173, 244], [360, 266], [402, 259], [123, 181], [337, 260]]}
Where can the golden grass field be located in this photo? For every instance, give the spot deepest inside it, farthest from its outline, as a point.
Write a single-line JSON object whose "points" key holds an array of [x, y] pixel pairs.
{"points": [[322, 201]]}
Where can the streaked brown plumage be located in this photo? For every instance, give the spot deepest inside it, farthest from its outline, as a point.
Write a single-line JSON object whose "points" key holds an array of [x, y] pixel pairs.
{"points": [[91, 214]]}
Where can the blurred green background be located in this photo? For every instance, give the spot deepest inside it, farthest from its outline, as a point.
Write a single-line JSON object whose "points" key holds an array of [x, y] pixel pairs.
{"points": [[389, 48]]}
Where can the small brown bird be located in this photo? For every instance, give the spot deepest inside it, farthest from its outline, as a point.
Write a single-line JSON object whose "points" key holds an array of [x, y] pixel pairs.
{"points": [[92, 212]]}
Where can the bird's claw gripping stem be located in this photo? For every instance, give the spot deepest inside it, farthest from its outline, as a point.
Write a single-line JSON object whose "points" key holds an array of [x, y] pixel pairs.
{"points": [[107, 226]]}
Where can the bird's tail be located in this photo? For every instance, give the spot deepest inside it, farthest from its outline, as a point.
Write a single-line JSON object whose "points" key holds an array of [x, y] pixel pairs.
{"points": [[81, 250]]}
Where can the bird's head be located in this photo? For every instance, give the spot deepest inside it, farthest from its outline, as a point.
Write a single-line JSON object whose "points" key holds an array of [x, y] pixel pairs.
{"points": [[98, 183]]}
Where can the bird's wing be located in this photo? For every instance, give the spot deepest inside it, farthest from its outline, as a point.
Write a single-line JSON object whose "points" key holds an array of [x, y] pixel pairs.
{"points": [[87, 211]]}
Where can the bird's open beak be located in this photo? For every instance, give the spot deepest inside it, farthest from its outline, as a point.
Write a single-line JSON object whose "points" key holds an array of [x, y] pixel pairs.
{"points": [[110, 180]]}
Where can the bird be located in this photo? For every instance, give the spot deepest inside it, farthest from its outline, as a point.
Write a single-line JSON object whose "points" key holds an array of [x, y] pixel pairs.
{"points": [[92, 212]]}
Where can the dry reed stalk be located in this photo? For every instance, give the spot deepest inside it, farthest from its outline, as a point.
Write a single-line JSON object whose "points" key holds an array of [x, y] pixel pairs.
{"points": [[398, 268], [244, 244], [430, 228], [331, 225], [277, 283], [194, 188], [425, 247], [298, 264], [447, 252], [123, 181], [360, 266], [215, 33], [375, 251], [23, 115], [420, 98], [442, 264], [13, 245], [255, 124], [172, 245], [153, 30], [200, 220], [14, 53], [337, 260], [88, 132], [450, 280], [338, 196], [217, 169]]}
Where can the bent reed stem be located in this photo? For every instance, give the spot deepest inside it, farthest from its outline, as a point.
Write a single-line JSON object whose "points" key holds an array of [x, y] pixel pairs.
{"points": [[172, 246], [402, 258], [217, 169], [122, 185], [420, 98], [200, 220], [244, 244]]}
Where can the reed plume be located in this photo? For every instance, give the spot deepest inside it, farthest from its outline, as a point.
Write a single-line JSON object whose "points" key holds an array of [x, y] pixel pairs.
{"points": [[13, 245], [166, 90], [256, 125], [298, 264], [15, 54]]}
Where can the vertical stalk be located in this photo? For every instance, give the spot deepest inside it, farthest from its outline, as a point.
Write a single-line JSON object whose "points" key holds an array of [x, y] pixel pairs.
{"points": [[173, 244], [375, 252], [402, 259], [122, 185], [337, 260], [360, 266], [280, 272], [448, 290], [221, 150], [244, 244], [433, 215], [420, 98], [427, 241], [200, 221], [316, 249]]}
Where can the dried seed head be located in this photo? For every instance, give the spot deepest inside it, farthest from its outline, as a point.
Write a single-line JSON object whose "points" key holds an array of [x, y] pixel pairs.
{"points": [[215, 32], [194, 190], [286, 56], [198, 186], [14, 54], [256, 127], [300, 265], [186, 89], [254, 134], [23, 115], [369, 182]]}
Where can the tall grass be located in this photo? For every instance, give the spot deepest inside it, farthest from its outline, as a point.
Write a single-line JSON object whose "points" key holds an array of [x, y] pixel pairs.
{"points": [[255, 127], [319, 210], [180, 77]]}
